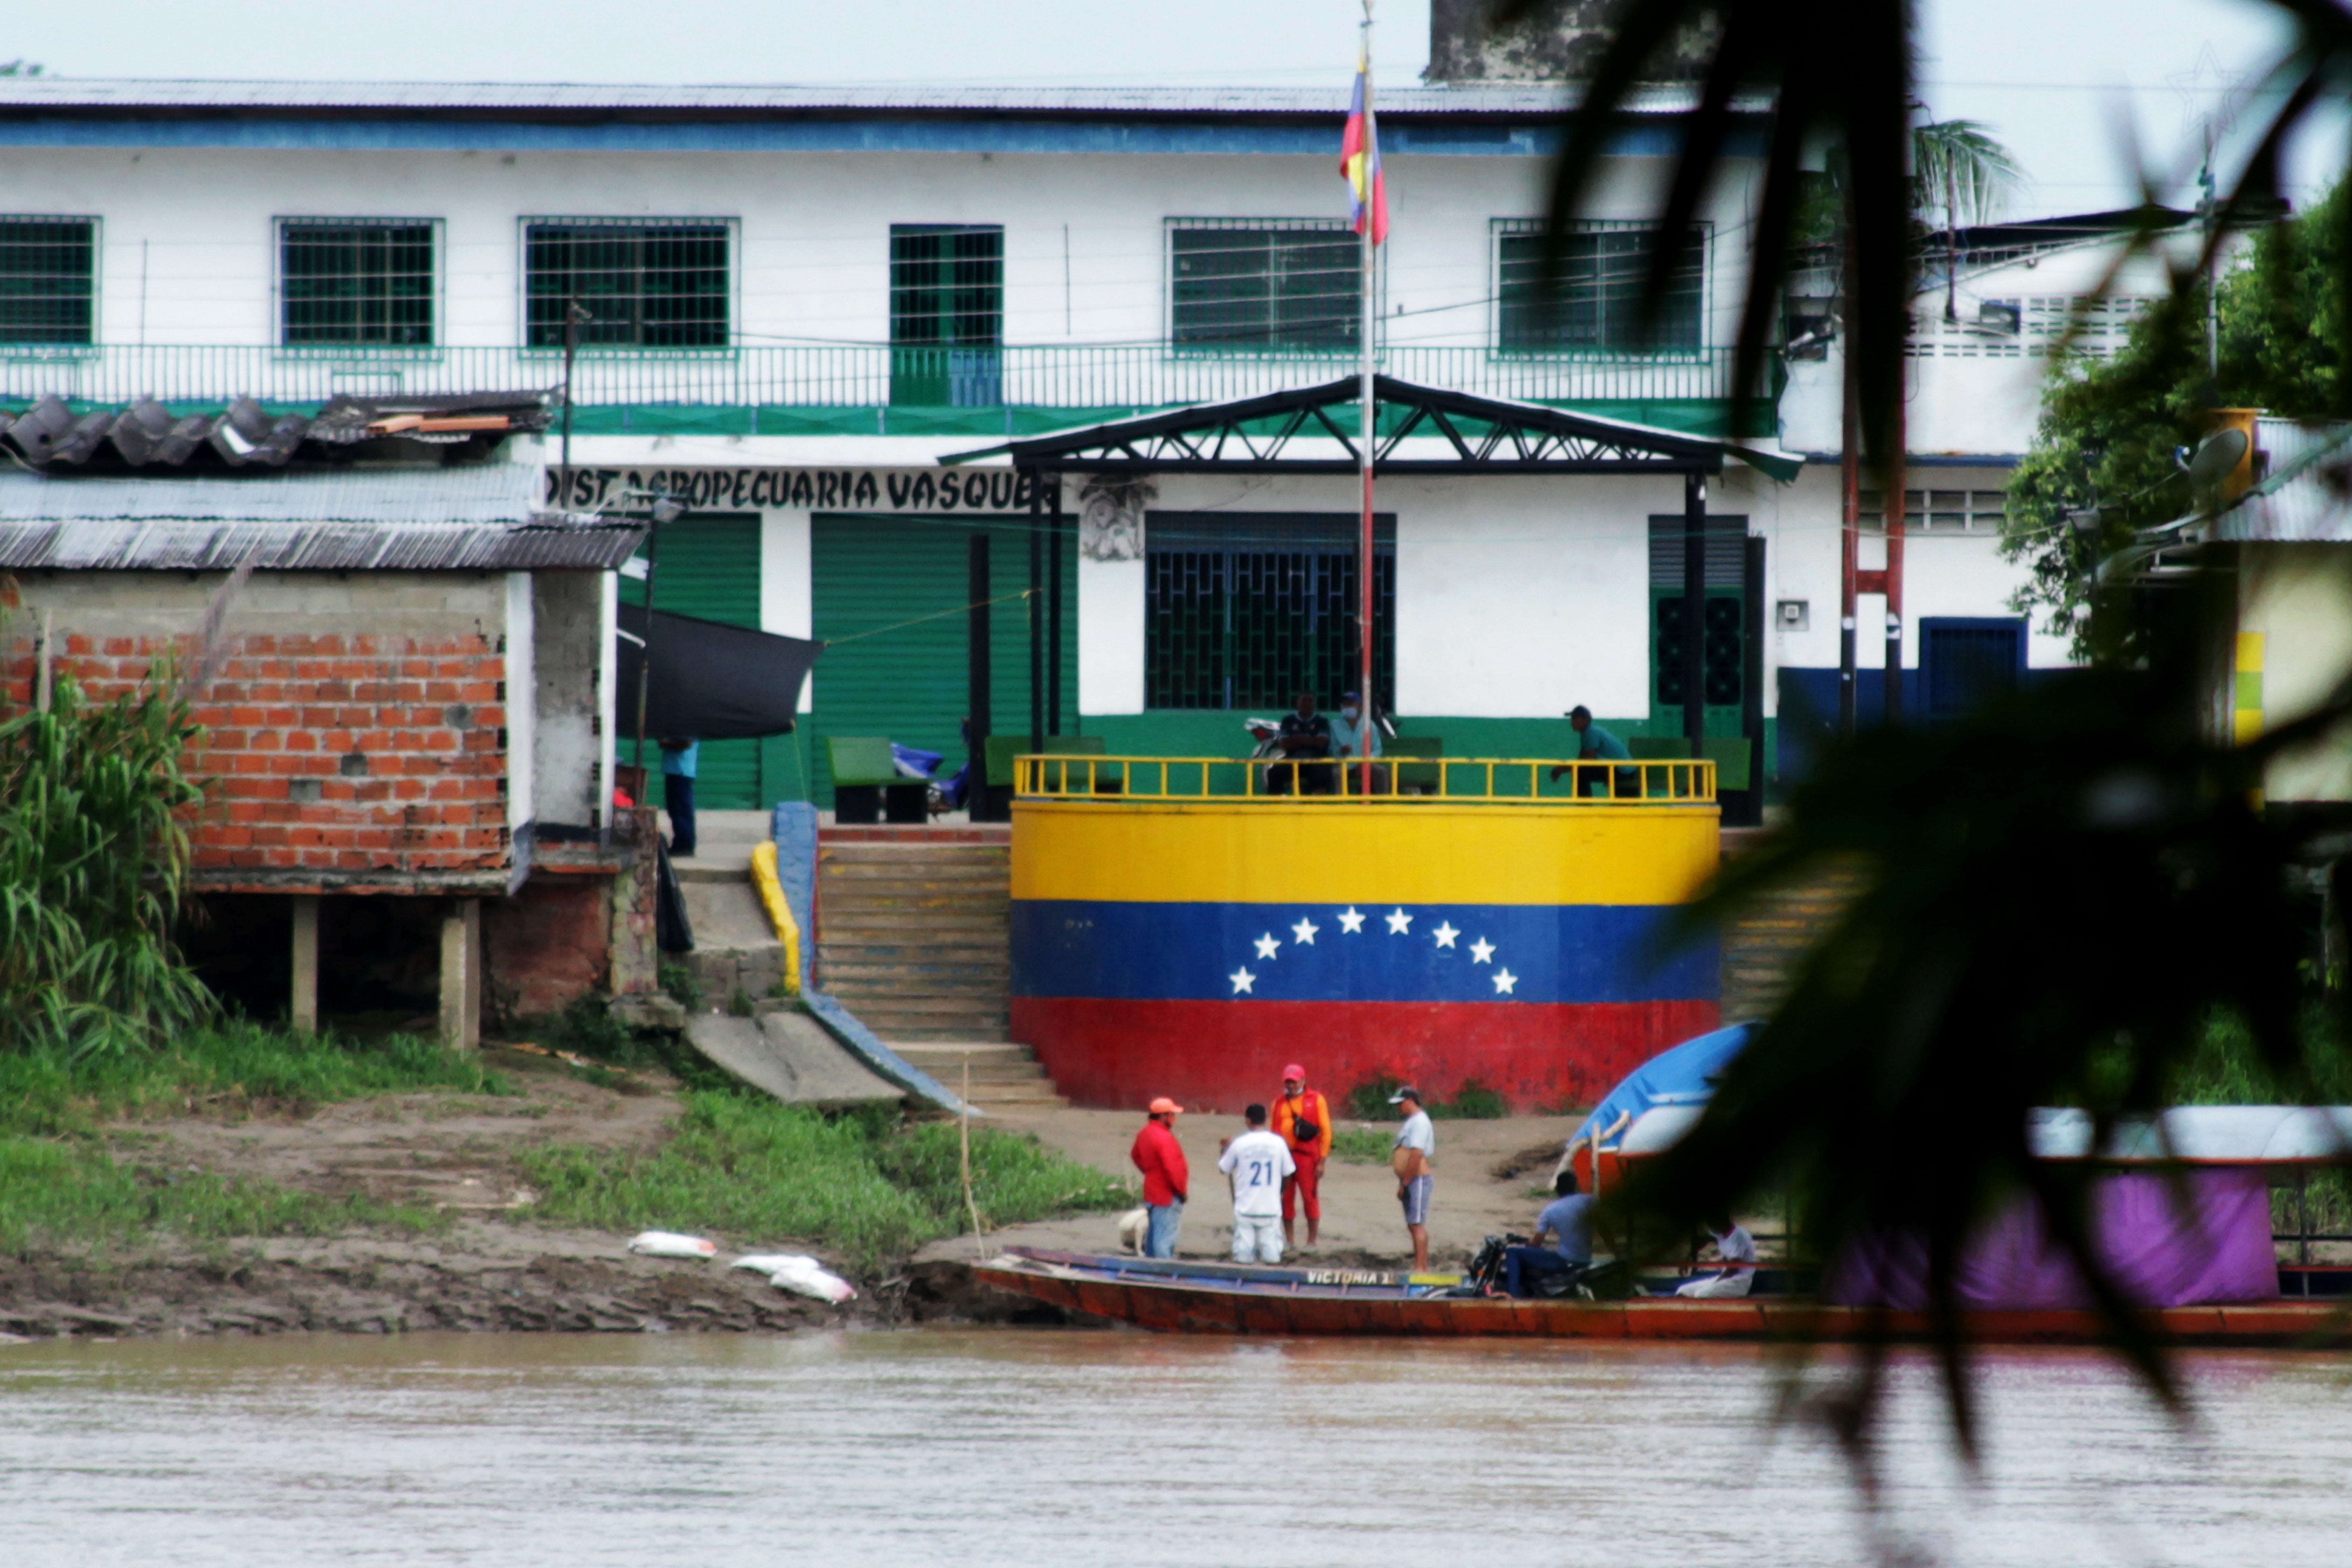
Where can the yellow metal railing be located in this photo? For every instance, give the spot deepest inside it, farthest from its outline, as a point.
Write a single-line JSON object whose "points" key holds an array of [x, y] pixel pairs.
{"points": [[1495, 781]]}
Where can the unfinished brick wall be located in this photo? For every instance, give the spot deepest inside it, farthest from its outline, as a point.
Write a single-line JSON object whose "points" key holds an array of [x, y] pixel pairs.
{"points": [[354, 735], [548, 944]]}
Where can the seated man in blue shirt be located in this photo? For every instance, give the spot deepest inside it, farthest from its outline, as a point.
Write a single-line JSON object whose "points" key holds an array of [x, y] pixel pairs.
{"points": [[1594, 744], [1568, 1218]]}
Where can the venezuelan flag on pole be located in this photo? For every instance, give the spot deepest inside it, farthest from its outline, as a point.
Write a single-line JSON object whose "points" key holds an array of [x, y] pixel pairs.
{"points": [[1359, 159]]}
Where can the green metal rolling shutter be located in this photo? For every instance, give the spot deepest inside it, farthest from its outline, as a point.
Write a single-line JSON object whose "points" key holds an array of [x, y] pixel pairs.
{"points": [[709, 568], [908, 683]]}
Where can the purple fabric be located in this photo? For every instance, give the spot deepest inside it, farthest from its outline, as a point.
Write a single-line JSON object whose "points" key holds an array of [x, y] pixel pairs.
{"points": [[2203, 1238]]}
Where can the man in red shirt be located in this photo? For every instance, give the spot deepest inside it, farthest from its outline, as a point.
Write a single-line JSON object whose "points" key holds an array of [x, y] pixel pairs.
{"points": [[1166, 1180], [1303, 1118]]}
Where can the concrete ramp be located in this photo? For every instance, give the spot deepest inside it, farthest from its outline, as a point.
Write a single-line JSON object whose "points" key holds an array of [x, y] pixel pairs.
{"points": [[791, 1056]]}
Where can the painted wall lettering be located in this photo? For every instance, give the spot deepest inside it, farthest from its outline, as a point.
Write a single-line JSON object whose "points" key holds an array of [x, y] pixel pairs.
{"points": [[815, 490]]}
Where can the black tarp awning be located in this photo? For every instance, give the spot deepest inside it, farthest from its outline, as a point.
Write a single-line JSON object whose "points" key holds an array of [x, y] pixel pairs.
{"points": [[710, 681]]}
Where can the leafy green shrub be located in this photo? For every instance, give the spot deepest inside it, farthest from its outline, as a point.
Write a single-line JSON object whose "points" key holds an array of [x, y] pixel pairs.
{"points": [[93, 869], [1368, 1100], [1474, 1101], [678, 980]]}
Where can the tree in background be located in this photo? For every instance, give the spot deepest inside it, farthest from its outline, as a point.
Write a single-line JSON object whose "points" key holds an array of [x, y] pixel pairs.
{"points": [[1960, 172], [2112, 431], [2059, 929]]}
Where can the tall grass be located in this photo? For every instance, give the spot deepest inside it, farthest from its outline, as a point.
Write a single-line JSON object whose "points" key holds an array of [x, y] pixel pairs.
{"points": [[757, 1172], [51, 1089], [93, 869], [2227, 1070], [72, 1193]]}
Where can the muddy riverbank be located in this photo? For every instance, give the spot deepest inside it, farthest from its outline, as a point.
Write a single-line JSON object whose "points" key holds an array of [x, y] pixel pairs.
{"points": [[487, 1262]]}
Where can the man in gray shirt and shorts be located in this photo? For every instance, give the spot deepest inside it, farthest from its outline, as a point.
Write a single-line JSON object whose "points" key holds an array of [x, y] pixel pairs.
{"points": [[1410, 1157]]}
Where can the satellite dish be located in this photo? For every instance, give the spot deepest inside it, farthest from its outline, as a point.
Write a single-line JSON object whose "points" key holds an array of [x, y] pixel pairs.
{"points": [[2217, 456]]}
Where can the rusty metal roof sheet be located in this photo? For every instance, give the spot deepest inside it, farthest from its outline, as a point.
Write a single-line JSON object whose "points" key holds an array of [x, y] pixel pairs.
{"points": [[479, 517], [164, 546]]}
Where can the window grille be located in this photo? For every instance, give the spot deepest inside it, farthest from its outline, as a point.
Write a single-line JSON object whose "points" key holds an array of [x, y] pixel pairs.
{"points": [[1246, 610], [1595, 298], [1255, 284], [48, 280], [357, 281], [657, 284], [947, 285], [947, 314], [1940, 512]]}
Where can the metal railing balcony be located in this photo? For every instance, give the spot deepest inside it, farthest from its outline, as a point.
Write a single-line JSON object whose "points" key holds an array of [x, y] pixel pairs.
{"points": [[1396, 781], [1068, 376]]}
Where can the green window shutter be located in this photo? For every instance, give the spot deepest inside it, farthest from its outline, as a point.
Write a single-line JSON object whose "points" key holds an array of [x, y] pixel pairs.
{"points": [[887, 671], [709, 568]]}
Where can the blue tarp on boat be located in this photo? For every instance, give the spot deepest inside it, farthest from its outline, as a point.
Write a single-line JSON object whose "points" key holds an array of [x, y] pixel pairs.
{"points": [[1681, 1075]]}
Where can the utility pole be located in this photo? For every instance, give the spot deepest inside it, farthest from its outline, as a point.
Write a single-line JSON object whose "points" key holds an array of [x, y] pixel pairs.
{"points": [[573, 317], [1367, 715]]}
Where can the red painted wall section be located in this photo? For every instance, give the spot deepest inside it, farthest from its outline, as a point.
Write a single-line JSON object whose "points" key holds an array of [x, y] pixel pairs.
{"points": [[360, 760], [548, 945], [1223, 1055]]}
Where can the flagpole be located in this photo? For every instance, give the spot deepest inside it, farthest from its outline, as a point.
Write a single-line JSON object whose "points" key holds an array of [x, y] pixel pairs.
{"points": [[1366, 716]]}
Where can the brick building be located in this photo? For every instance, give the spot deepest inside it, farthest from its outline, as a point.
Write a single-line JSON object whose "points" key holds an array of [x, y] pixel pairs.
{"points": [[403, 670]]}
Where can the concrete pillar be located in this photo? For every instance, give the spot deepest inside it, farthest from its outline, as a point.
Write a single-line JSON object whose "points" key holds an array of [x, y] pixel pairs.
{"points": [[304, 1012], [461, 974]]}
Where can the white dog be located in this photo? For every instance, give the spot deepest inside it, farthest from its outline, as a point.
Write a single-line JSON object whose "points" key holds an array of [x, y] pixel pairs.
{"points": [[1132, 1226]]}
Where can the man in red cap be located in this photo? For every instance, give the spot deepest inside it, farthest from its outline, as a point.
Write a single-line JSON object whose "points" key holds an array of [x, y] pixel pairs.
{"points": [[1166, 1179], [1303, 1118]]}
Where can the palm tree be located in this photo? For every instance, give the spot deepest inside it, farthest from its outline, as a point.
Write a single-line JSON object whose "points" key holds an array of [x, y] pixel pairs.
{"points": [[1959, 169]]}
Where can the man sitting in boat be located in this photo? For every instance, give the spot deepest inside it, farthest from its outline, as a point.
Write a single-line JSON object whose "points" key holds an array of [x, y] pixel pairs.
{"points": [[1554, 1270], [1736, 1249]]}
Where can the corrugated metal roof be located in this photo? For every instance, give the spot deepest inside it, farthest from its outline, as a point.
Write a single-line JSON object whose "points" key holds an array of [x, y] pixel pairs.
{"points": [[2304, 496], [54, 94], [177, 546], [471, 492], [479, 517]]}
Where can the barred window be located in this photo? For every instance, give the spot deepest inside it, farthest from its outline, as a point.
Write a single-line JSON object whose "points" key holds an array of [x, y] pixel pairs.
{"points": [[947, 285], [48, 280], [947, 314], [1245, 610], [1595, 300], [664, 284], [1258, 283], [356, 282]]}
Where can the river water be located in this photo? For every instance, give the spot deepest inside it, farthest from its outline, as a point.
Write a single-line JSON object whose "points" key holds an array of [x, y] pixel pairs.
{"points": [[1045, 1448]]}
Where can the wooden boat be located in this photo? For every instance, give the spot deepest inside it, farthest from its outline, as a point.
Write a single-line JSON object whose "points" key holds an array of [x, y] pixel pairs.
{"points": [[1186, 1297]]}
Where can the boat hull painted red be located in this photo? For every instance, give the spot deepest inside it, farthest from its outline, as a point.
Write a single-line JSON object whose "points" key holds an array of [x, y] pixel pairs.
{"points": [[1213, 1308]]}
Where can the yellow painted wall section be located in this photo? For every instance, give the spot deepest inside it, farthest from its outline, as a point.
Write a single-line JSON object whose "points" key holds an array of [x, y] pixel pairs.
{"points": [[1404, 854], [2294, 630]]}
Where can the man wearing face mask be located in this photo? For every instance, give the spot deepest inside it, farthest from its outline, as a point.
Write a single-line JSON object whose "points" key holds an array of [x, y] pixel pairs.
{"points": [[1355, 733]]}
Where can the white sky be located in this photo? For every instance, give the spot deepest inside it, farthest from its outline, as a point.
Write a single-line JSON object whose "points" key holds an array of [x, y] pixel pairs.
{"points": [[2059, 81]]}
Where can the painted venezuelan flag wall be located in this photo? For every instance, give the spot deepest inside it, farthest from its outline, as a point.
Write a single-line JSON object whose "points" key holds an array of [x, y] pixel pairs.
{"points": [[1192, 950]]}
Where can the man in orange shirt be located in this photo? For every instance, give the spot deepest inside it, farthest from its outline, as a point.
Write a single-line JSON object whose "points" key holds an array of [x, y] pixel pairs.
{"points": [[1303, 1119]]}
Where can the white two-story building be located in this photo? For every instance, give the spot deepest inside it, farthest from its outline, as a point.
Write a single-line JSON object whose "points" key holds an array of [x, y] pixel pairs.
{"points": [[790, 306]]}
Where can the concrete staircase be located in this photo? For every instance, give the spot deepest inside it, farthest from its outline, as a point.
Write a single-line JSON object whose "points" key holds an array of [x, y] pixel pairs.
{"points": [[1003, 1076], [1762, 948], [913, 936]]}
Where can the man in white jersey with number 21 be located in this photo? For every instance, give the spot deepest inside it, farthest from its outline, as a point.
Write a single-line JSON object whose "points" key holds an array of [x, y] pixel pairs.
{"points": [[1258, 1161]]}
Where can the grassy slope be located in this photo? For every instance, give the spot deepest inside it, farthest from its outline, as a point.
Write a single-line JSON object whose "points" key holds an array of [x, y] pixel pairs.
{"points": [[866, 1186], [58, 1183]]}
